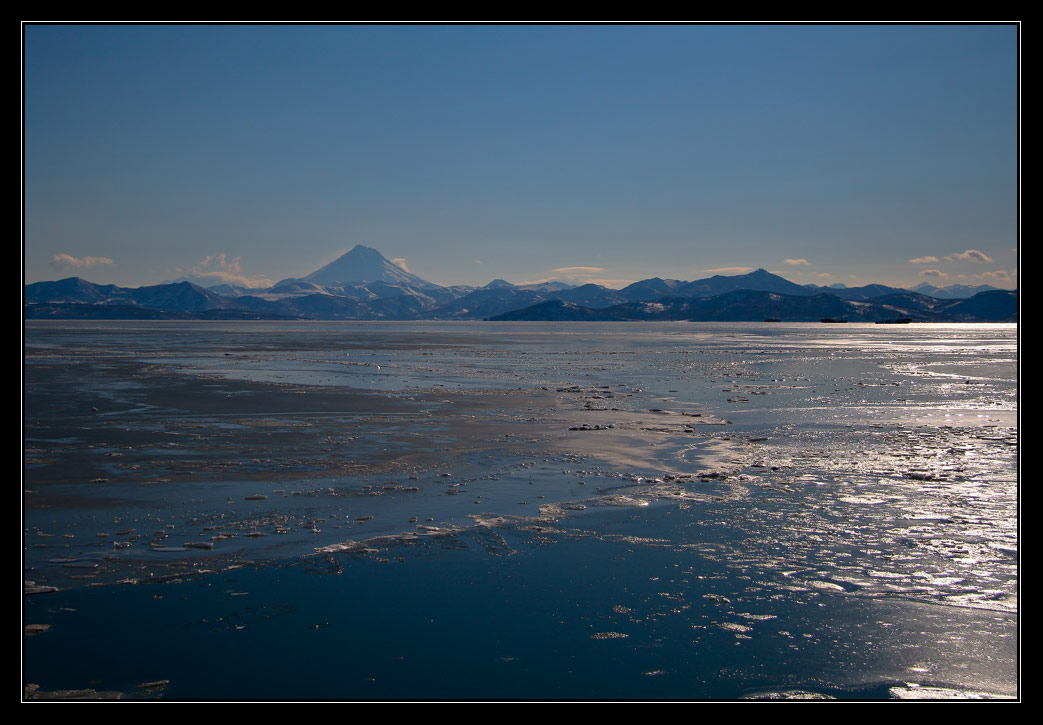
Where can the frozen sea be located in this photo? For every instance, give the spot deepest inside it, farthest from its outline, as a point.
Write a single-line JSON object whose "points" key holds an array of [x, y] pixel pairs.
{"points": [[520, 511]]}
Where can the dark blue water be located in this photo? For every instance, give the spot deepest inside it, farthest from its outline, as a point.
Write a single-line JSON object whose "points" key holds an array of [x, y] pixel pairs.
{"points": [[514, 614], [853, 535]]}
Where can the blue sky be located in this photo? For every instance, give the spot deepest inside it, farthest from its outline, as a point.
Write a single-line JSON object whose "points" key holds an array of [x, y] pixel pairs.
{"points": [[850, 154]]}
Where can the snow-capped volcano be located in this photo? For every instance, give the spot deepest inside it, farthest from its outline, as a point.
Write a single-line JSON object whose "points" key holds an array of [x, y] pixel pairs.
{"points": [[363, 265]]}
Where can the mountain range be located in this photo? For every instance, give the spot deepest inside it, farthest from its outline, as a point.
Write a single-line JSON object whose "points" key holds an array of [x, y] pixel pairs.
{"points": [[363, 285]]}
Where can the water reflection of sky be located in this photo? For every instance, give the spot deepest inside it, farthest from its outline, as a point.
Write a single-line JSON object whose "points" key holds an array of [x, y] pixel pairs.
{"points": [[851, 470]]}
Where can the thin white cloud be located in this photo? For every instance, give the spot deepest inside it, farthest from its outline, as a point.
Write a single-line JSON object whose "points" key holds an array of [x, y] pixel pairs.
{"points": [[578, 271], [999, 277], [923, 260], [577, 275], [220, 268], [797, 261], [610, 283], [933, 274], [400, 262], [66, 261], [221, 262], [971, 255]]}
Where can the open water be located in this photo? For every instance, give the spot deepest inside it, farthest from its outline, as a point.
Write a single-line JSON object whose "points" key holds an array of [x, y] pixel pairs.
{"points": [[520, 511]]}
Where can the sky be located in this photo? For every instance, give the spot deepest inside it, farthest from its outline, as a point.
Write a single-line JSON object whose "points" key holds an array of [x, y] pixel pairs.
{"points": [[250, 154]]}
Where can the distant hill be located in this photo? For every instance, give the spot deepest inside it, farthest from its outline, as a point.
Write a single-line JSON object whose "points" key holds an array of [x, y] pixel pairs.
{"points": [[989, 306], [953, 291], [177, 296], [74, 289], [363, 285], [760, 280], [756, 306]]}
